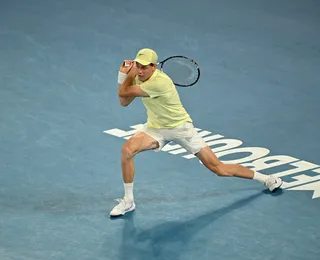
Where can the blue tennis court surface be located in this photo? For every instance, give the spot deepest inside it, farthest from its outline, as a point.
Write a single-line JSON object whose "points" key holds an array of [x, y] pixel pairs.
{"points": [[62, 128]]}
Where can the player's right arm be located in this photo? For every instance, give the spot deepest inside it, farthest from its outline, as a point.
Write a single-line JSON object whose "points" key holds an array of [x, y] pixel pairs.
{"points": [[125, 68], [125, 101], [127, 90]]}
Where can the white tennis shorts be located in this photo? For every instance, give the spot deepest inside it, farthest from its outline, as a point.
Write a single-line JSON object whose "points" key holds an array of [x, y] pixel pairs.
{"points": [[184, 135]]}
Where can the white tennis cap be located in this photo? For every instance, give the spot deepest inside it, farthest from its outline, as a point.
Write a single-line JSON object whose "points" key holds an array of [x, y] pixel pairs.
{"points": [[146, 57]]}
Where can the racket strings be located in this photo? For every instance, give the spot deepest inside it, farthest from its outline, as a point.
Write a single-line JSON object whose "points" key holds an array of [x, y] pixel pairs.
{"points": [[182, 71]]}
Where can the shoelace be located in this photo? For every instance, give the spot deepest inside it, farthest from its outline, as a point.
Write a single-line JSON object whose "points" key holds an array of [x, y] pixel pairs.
{"points": [[119, 200], [122, 202]]}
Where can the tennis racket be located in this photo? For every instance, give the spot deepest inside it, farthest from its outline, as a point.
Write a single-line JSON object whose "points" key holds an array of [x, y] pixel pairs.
{"points": [[183, 71]]}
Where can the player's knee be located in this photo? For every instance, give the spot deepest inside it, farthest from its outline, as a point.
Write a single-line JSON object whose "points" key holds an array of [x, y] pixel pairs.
{"points": [[220, 170], [127, 152]]}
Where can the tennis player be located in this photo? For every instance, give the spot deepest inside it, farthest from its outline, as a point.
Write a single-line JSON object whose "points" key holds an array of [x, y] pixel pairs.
{"points": [[167, 120]]}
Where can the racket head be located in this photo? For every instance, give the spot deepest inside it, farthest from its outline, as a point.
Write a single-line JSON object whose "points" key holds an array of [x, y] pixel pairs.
{"points": [[183, 71]]}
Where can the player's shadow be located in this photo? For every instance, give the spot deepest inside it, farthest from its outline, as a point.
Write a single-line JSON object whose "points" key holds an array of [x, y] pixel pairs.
{"points": [[168, 240]]}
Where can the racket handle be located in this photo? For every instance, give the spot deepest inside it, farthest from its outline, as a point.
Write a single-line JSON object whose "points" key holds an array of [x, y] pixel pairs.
{"points": [[124, 64]]}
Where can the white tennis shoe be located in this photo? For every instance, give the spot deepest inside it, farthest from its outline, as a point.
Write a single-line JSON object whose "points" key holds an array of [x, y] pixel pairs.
{"points": [[123, 207], [273, 183]]}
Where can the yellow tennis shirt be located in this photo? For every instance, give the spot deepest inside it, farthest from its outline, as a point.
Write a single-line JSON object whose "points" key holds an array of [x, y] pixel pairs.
{"points": [[164, 107]]}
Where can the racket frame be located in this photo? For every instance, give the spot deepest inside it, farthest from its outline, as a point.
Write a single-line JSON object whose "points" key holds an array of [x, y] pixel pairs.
{"points": [[161, 63]]}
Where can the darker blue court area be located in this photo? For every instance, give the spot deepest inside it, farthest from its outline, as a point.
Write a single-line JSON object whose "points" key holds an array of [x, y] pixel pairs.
{"points": [[62, 128]]}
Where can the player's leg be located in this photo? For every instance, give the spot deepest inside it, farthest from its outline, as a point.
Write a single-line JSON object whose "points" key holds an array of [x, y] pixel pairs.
{"points": [[141, 141], [136, 144], [210, 160], [190, 139]]}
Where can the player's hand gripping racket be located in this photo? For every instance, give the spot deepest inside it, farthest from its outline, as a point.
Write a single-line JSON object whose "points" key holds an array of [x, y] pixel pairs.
{"points": [[183, 71]]}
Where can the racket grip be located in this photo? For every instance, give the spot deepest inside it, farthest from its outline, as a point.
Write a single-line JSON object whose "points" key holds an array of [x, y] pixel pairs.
{"points": [[125, 64]]}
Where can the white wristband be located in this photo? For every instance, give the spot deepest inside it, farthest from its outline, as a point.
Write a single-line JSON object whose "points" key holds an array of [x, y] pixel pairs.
{"points": [[121, 77]]}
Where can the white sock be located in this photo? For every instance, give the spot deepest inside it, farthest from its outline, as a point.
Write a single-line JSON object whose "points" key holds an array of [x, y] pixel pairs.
{"points": [[260, 177], [128, 191]]}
